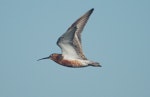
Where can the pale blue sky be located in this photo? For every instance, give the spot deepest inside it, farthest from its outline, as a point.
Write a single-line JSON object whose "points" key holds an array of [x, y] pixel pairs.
{"points": [[117, 35]]}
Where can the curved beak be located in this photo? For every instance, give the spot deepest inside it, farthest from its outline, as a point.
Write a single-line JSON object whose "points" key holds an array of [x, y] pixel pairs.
{"points": [[43, 58]]}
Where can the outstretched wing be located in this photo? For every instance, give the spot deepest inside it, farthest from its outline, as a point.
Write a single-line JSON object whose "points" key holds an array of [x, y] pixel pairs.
{"points": [[70, 41]]}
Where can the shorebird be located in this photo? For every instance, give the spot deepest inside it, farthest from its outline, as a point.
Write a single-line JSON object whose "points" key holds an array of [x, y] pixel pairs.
{"points": [[71, 48]]}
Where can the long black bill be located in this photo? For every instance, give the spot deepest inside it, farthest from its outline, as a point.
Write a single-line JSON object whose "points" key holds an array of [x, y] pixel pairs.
{"points": [[43, 58]]}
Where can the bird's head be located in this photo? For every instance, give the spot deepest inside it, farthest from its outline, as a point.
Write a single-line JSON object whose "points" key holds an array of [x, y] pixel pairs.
{"points": [[53, 56]]}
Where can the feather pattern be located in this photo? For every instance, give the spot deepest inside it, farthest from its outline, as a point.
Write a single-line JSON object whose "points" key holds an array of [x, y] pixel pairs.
{"points": [[70, 41]]}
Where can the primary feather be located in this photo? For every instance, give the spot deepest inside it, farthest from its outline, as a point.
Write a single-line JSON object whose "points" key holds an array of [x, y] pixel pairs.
{"points": [[70, 41]]}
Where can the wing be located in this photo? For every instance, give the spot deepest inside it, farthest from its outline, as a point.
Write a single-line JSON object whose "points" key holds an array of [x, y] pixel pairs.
{"points": [[80, 23], [70, 41], [65, 42]]}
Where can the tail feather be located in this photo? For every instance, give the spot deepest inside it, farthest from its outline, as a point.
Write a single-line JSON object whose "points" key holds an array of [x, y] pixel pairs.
{"points": [[95, 64]]}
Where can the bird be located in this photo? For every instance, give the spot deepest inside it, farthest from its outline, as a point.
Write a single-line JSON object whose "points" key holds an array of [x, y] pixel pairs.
{"points": [[71, 46]]}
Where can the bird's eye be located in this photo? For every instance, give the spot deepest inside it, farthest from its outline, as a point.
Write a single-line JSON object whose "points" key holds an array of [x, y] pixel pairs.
{"points": [[51, 55]]}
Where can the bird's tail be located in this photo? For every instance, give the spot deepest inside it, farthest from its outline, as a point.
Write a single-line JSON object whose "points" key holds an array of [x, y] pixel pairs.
{"points": [[95, 64]]}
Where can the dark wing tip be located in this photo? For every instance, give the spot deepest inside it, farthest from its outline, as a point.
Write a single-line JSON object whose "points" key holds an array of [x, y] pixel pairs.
{"points": [[92, 9]]}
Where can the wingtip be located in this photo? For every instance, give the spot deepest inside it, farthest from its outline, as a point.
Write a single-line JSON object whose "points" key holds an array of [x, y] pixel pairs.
{"points": [[92, 9]]}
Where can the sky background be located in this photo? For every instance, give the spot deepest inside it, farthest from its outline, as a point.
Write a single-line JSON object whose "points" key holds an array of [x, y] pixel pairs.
{"points": [[117, 35]]}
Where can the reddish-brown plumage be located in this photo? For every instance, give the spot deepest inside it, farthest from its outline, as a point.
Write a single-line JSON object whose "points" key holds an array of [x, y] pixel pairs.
{"points": [[71, 63], [58, 58]]}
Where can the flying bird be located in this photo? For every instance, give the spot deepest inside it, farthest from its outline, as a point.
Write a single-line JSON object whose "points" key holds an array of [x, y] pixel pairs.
{"points": [[71, 47]]}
